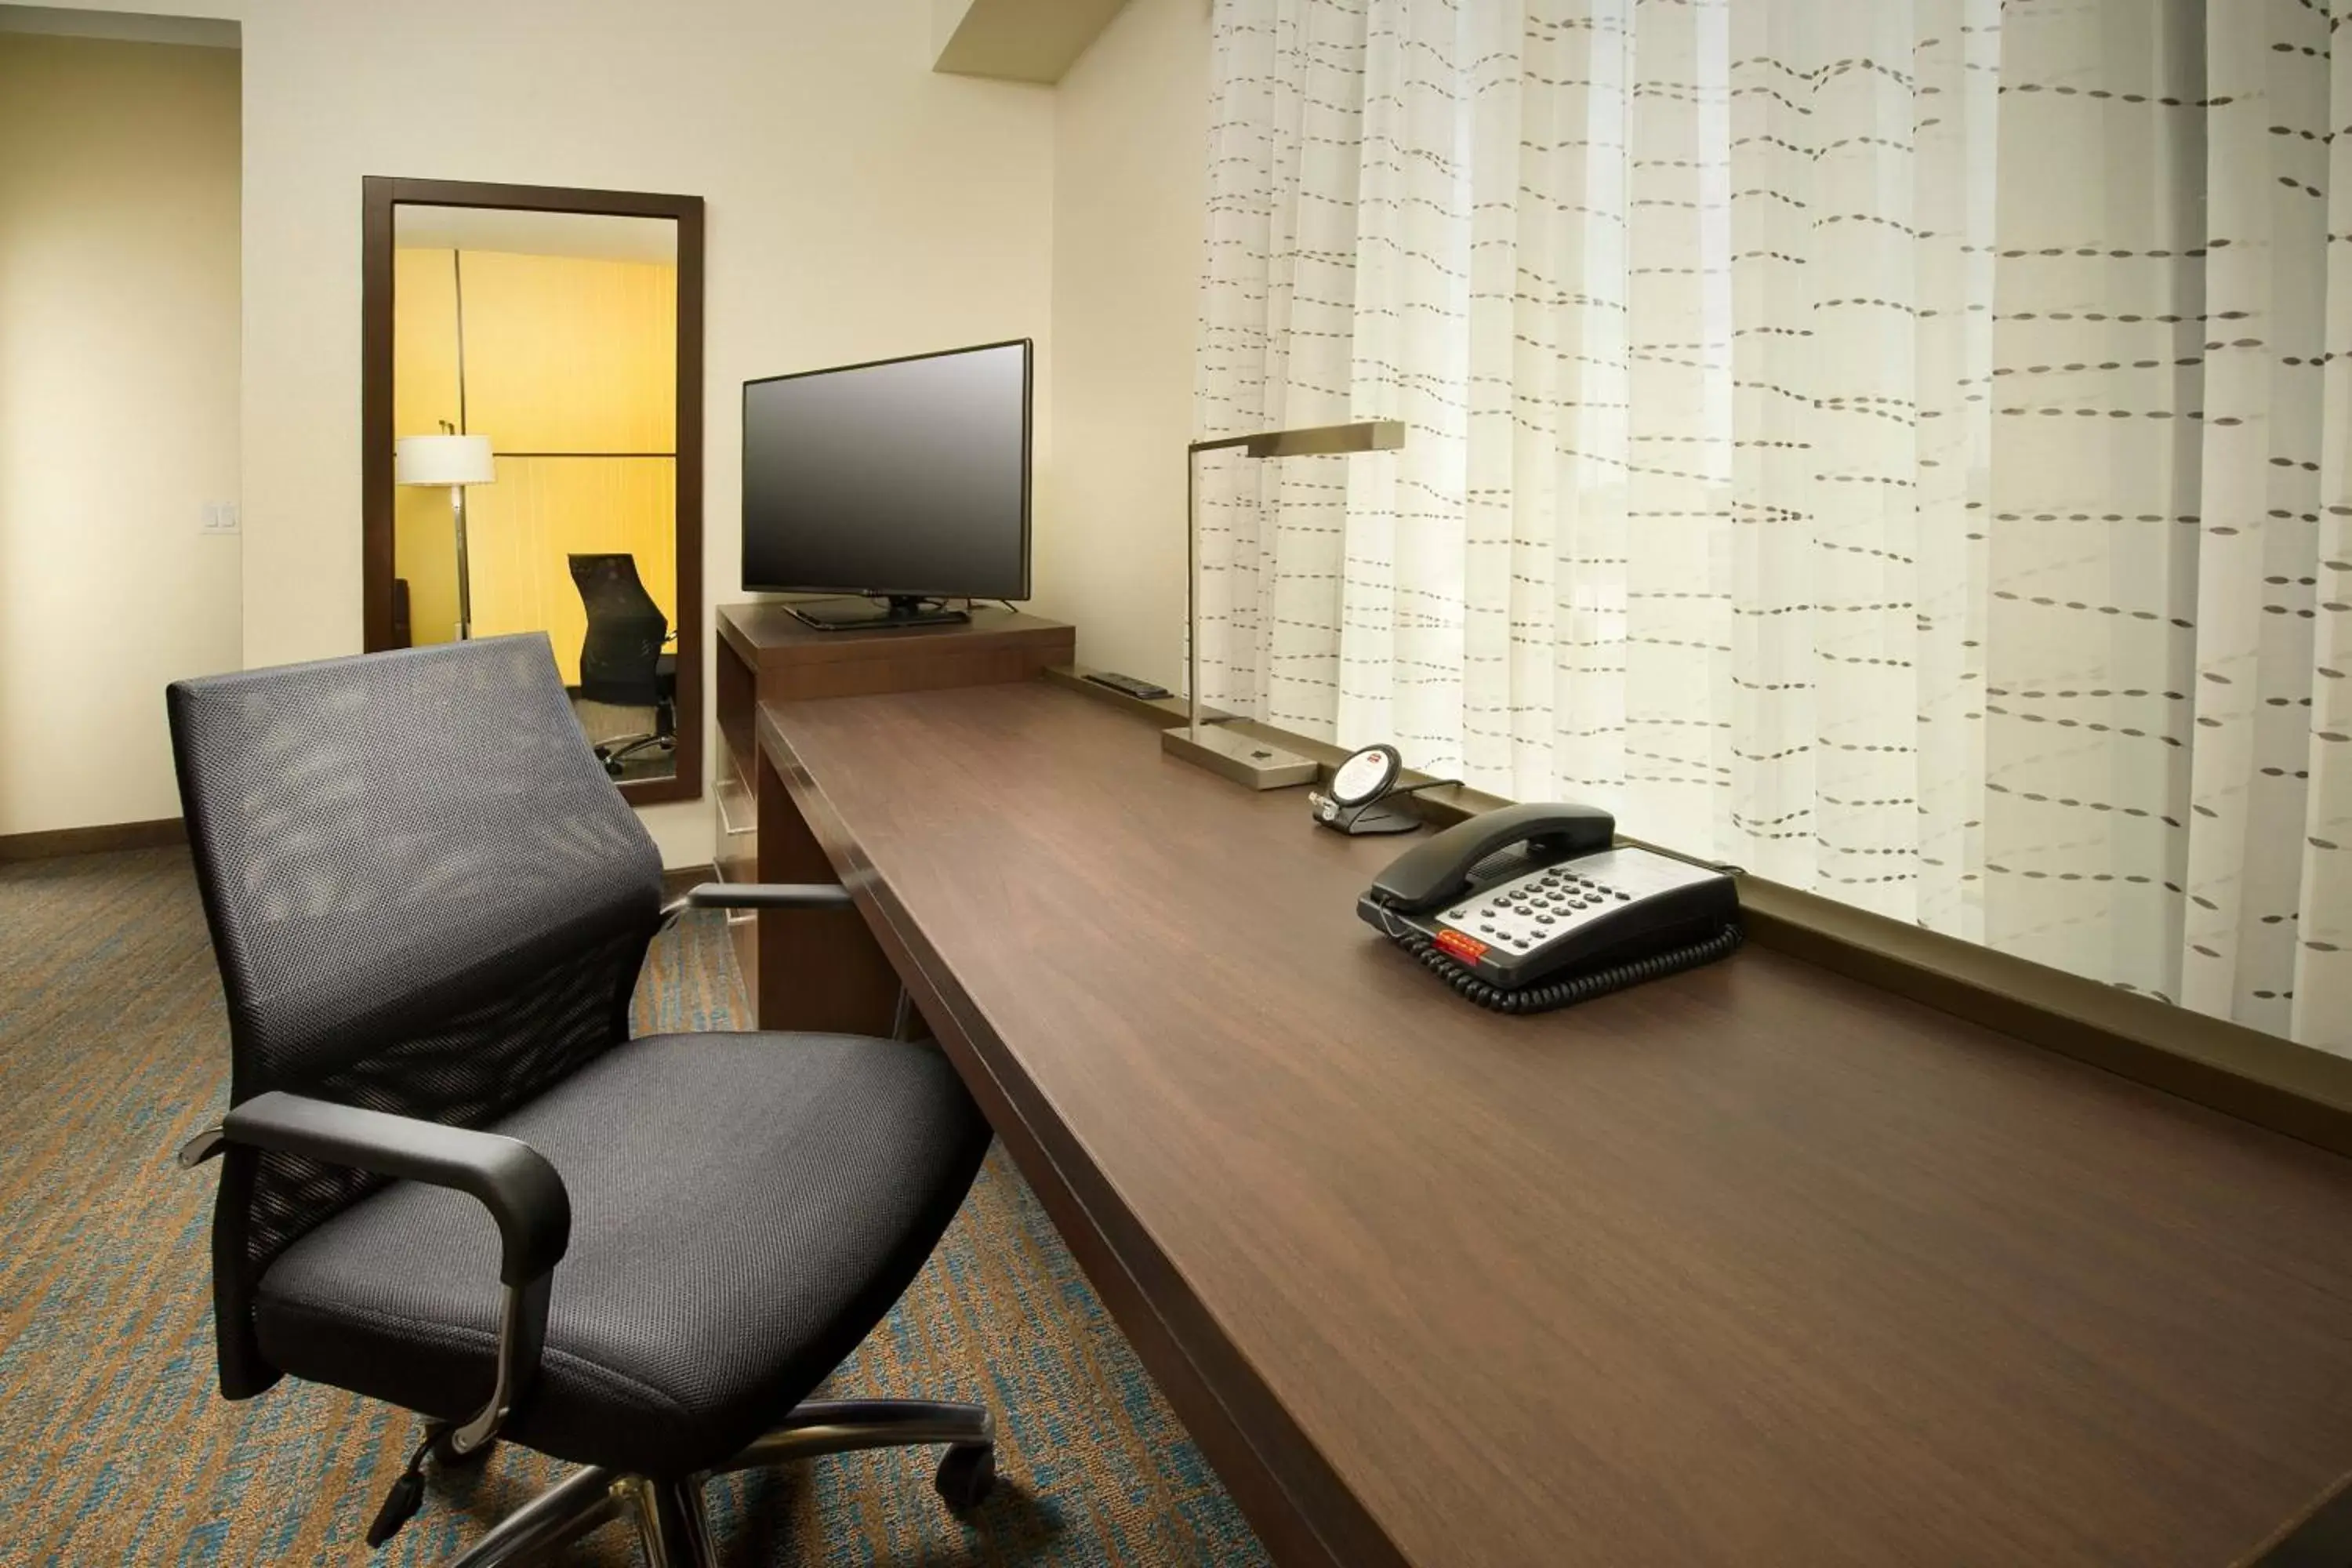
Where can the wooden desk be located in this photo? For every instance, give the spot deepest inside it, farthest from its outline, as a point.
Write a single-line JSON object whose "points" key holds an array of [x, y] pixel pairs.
{"points": [[765, 654], [1754, 1266]]}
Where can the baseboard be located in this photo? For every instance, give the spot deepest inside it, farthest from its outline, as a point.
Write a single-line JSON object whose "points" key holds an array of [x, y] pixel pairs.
{"points": [[160, 833], [679, 880]]}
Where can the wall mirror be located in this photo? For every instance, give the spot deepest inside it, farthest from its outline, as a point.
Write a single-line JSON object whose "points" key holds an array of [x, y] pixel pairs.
{"points": [[532, 418]]}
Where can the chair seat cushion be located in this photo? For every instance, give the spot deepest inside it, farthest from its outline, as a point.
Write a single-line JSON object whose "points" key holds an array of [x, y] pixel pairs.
{"points": [[745, 1208]]}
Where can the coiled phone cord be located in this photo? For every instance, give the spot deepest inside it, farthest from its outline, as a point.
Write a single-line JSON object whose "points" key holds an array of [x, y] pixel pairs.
{"points": [[1545, 995]]}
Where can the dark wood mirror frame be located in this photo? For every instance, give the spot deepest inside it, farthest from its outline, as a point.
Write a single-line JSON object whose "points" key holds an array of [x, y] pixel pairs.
{"points": [[380, 196]]}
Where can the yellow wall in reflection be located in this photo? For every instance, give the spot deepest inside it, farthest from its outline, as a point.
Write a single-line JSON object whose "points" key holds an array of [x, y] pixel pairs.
{"points": [[542, 509], [424, 389], [565, 355], [562, 354]]}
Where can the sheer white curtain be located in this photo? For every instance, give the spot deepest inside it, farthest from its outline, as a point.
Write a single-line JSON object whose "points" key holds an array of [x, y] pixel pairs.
{"points": [[1904, 448]]}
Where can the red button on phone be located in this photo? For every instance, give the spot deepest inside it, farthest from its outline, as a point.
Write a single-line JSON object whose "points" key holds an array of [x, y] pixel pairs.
{"points": [[1462, 945]]}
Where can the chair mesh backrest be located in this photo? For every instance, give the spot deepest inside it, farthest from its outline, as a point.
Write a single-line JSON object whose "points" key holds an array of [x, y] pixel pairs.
{"points": [[424, 894], [621, 651]]}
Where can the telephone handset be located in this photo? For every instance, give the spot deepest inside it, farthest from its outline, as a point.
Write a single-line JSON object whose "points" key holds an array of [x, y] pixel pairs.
{"points": [[1534, 907]]}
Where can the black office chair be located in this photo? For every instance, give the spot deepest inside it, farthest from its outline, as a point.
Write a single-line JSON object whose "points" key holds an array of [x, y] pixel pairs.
{"points": [[621, 657], [429, 906]]}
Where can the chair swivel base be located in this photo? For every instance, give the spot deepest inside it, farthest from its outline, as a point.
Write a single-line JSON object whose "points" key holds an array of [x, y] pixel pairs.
{"points": [[616, 753], [668, 1514]]}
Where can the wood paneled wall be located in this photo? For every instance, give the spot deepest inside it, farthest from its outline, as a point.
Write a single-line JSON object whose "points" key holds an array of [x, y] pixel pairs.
{"points": [[561, 355]]}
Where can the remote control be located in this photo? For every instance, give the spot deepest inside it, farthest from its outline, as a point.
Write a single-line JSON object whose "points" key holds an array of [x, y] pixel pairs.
{"points": [[1130, 685]]}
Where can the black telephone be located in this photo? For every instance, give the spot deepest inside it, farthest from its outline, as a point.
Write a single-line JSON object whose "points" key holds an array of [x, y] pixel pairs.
{"points": [[1530, 908]]}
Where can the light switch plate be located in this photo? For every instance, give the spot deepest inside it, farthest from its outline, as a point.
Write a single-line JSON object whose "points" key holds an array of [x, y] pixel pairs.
{"points": [[220, 517]]}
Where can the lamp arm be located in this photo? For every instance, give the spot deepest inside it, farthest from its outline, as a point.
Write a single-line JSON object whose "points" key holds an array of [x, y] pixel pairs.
{"points": [[1304, 441]]}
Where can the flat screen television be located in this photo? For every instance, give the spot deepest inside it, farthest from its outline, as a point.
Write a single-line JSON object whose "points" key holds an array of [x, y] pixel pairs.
{"points": [[903, 483]]}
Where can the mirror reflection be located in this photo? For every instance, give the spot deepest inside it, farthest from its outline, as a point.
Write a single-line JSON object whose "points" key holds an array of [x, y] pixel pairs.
{"points": [[534, 408]]}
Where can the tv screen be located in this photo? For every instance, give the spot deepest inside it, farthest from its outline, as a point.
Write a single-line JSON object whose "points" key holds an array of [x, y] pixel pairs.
{"points": [[907, 477]]}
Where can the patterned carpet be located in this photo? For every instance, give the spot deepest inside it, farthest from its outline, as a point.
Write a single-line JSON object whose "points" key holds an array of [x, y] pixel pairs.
{"points": [[113, 1048]]}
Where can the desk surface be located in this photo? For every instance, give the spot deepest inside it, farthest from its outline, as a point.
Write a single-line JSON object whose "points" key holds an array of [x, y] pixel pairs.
{"points": [[1752, 1266]]}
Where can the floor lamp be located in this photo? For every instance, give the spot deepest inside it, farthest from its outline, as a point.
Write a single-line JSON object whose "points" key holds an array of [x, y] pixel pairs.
{"points": [[1202, 742], [456, 461]]}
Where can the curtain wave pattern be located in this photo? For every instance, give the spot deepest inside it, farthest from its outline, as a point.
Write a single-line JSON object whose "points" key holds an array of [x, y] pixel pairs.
{"points": [[1900, 447]]}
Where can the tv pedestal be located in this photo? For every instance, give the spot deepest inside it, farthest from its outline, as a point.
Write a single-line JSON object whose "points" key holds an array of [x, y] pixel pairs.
{"points": [[890, 612], [821, 969]]}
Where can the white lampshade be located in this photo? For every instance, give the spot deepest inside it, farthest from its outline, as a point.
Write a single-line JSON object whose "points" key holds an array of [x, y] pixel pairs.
{"points": [[442, 460]]}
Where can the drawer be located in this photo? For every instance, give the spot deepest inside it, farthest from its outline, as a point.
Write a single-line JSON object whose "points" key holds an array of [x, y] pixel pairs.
{"points": [[735, 852], [736, 847]]}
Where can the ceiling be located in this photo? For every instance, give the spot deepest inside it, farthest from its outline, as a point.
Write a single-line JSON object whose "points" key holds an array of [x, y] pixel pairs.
{"points": [[127, 27], [591, 235], [1015, 40]]}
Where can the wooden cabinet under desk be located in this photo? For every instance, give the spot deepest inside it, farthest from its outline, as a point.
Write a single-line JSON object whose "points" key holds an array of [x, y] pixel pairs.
{"points": [[820, 969]]}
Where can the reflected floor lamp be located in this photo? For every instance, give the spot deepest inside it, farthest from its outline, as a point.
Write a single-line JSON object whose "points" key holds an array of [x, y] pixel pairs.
{"points": [[1204, 741], [456, 461]]}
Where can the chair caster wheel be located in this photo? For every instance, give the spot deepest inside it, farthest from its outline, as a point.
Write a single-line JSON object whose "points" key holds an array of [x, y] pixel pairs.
{"points": [[966, 1475]]}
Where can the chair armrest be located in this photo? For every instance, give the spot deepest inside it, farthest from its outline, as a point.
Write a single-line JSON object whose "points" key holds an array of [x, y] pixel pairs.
{"points": [[769, 896], [509, 1178], [522, 1191]]}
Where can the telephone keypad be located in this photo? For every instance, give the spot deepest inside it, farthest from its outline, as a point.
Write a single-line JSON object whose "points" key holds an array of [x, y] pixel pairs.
{"points": [[1550, 904]]}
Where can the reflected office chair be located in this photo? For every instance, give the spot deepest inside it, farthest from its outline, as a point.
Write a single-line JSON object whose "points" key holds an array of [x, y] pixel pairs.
{"points": [[621, 657], [429, 905]]}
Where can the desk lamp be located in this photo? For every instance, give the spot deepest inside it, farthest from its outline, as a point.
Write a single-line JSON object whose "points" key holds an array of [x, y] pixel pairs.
{"points": [[1200, 740], [456, 461]]}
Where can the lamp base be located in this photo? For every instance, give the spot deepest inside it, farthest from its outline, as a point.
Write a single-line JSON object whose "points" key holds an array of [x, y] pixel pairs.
{"points": [[1238, 757], [1369, 817]]}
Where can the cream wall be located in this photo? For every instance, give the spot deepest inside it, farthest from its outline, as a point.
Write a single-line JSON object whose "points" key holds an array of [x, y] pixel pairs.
{"points": [[859, 206], [1130, 131], [119, 287]]}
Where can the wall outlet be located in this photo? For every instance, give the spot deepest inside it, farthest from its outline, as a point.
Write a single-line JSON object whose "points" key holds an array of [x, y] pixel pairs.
{"points": [[219, 517]]}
